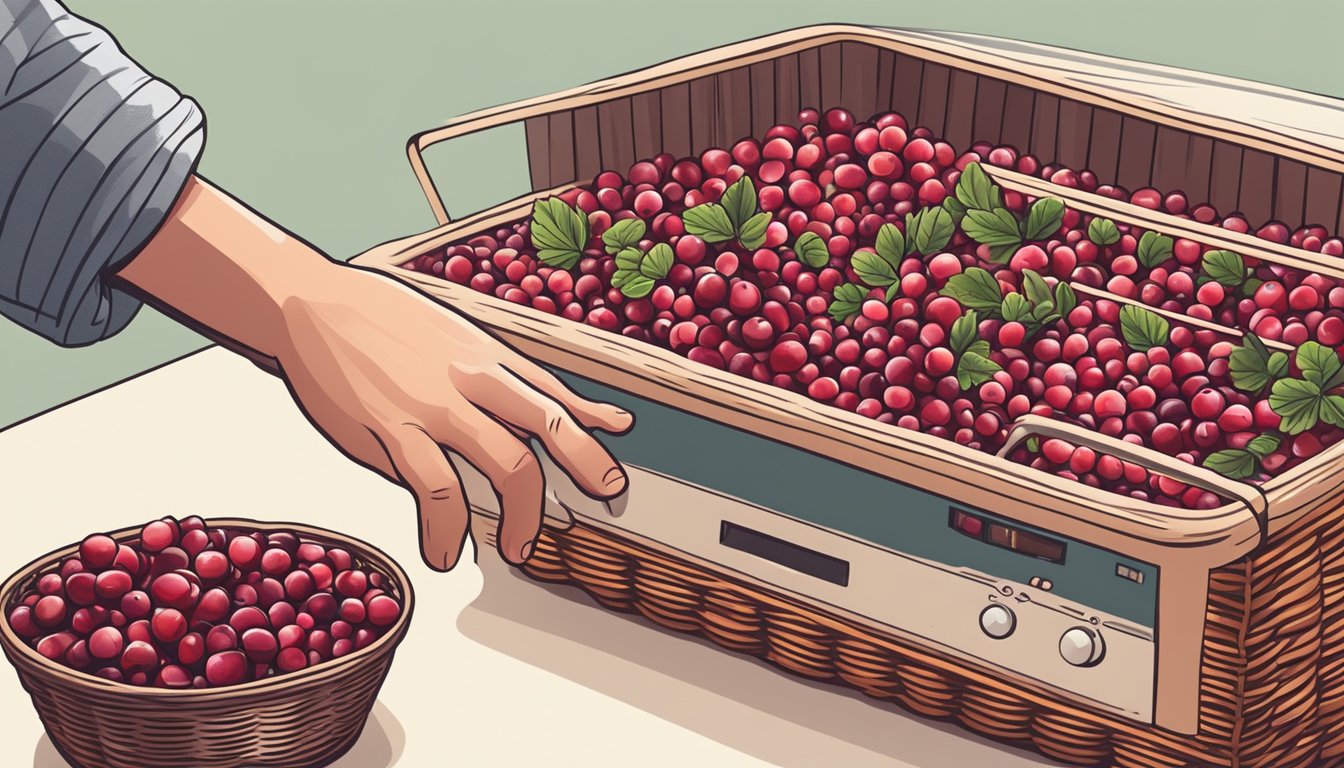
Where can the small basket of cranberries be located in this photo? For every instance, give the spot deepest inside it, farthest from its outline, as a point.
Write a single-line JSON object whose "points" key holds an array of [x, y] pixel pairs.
{"points": [[193, 643]]}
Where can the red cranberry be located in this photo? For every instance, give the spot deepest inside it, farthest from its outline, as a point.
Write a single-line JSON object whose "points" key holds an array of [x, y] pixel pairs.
{"points": [[98, 551], [226, 668], [383, 611]]}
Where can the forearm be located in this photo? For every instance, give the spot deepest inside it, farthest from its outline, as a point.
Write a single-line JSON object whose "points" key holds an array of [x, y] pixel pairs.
{"points": [[225, 269]]}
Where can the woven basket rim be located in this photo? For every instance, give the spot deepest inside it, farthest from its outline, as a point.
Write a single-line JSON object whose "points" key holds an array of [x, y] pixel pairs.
{"points": [[21, 654]]}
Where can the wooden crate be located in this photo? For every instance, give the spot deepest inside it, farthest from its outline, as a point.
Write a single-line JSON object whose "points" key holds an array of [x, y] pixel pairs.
{"points": [[1249, 666]]}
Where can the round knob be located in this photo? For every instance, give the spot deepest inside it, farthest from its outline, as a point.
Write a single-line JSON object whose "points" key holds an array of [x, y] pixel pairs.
{"points": [[998, 621], [1082, 647]]}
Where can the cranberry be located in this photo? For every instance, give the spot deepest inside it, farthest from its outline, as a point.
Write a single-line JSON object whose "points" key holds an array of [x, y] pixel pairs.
{"points": [[98, 551], [383, 611], [226, 668]]}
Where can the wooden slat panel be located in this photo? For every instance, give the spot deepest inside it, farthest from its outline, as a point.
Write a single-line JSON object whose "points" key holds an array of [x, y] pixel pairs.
{"points": [[617, 128], [735, 105], [1018, 106], [1171, 154], [561, 129], [809, 79], [1045, 129], [787, 89], [959, 130], [1225, 180], [933, 98], [1075, 128], [907, 82], [1136, 154], [1290, 193], [677, 119], [1323, 200], [763, 115], [859, 79], [1104, 154], [831, 79], [538, 152], [647, 113], [989, 105], [1199, 170], [587, 143], [886, 70], [1256, 198], [704, 122]]}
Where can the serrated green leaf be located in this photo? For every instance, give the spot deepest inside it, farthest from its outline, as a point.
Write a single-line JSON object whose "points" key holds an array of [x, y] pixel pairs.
{"points": [[1142, 328], [929, 230], [890, 244], [739, 202], [558, 227], [752, 233], [1154, 249], [623, 234], [1298, 404], [1103, 232], [1248, 365], [993, 228], [1225, 267], [974, 370], [559, 258], [965, 332], [1262, 445], [1044, 219], [846, 300], [811, 250], [1065, 298], [709, 222], [976, 191], [1233, 463], [872, 268], [975, 289], [1319, 365], [954, 207], [1332, 410], [1015, 308], [657, 262], [1035, 287], [637, 287]]}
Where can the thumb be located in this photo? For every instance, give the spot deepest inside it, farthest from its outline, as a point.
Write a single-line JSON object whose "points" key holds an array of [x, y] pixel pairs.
{"points": [[425, 469]]}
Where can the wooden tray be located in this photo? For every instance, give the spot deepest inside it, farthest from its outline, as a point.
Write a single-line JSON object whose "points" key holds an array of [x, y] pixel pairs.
{"points": [[1249, 670]]}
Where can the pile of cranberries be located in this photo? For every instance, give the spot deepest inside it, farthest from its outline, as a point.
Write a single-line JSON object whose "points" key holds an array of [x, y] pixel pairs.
{"points": [[769, 312], [192, 606]]}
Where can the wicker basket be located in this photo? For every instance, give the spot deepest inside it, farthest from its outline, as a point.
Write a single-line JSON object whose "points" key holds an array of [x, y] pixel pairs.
{"points": [[1249, 665], [306, 718]]}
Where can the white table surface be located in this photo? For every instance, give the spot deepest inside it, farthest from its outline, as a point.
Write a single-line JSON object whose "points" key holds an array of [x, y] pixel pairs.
{"points": [[497, 669]]}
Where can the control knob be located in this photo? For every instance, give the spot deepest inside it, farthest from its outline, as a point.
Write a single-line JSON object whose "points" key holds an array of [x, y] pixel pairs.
{"points": [[998, 621], [1082, 647]]}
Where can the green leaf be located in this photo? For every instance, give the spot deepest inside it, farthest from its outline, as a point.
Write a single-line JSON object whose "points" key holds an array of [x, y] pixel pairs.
{"points": [[1249, 287], [974, 369], [1015, 308], [1044, 219], [811, 250], [954, 207], [1226, 267], [558, 227], [657, 262], [1262, 445], [1233, 463], [1035, 287], [1250, 365], [1034, 444], [1319, 365], [629, 260], [997, 227], [1278, 365], [975, 289], [1298, 404], [976, 191], [560, 258], [928, 231], [1142, 328], [1154, 249], [1000, 254], [872, 268], [623, 234], [739, 202], [1044, 313], [1103, 232], [893, 291], [637, 287], [891, 244], [1332, 410], [965, 332], [752, 232], [709, 222], [1065, 298], [845, 301]]}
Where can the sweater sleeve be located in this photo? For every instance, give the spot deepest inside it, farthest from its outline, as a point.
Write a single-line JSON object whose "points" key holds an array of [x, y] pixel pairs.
{"points": [[95, 152]]}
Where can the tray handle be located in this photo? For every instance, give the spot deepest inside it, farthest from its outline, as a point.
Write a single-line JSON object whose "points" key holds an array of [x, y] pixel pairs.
{"points": [[466, 125], [1199, 477]]}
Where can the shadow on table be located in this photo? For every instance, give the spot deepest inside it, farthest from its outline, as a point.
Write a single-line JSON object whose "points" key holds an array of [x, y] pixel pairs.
{"points": [[380, 745], [733, 699]]}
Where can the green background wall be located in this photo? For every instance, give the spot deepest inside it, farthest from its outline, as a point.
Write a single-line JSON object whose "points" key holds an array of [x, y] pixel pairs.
{"points": [[309, 102]]}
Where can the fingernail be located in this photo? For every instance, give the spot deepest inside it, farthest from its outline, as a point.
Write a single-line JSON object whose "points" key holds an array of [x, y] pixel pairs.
{"points": [[526, 552], [614, 480]]}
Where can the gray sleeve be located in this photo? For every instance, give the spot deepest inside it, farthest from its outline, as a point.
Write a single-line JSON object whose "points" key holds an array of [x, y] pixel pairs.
{"points": [[94, 151]]}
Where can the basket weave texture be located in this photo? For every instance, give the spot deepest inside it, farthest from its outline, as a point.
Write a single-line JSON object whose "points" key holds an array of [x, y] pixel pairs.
{"points": [[303, 719]]}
